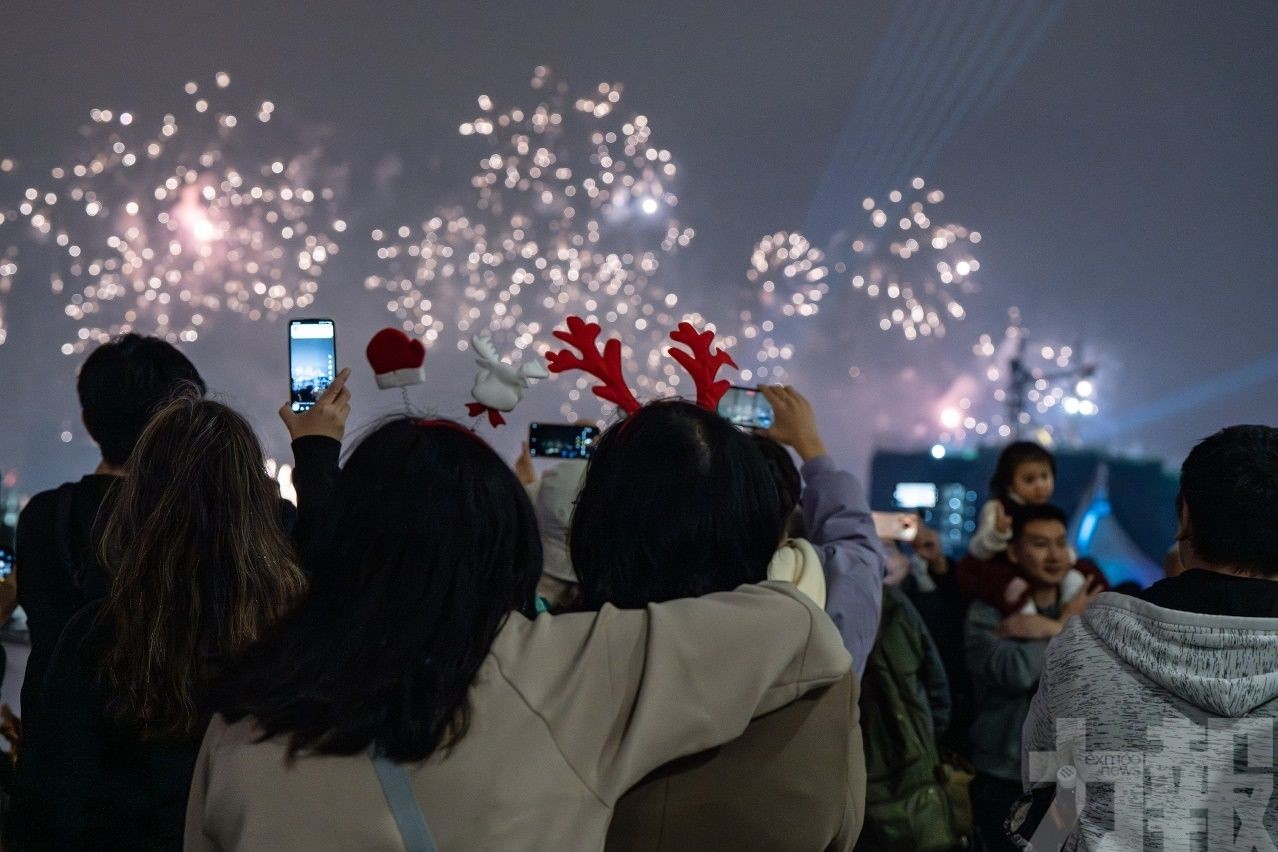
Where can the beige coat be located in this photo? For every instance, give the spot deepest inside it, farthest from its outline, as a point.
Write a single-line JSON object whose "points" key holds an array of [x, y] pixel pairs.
{"points": [[795, 780], [569, 712]]}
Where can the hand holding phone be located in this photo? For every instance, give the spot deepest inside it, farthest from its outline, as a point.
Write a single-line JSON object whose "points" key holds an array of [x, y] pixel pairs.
{"points": [[327, 416], [561, 440], [896, 526], [795, 424], [312, 360]]}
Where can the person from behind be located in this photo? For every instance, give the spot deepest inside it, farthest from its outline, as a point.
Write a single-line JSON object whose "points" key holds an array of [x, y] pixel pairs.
{"points": [[905, 709], [931, 588], [413, 698], [713, 521], [831, 549], [833, 522], [1025, 475], [198, 568], [1156, 674], [120, 386], [1005, 660]]}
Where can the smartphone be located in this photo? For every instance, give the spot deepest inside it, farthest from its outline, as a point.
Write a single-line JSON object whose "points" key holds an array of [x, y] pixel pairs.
{"points": [[312, 360], [561, 441], [6, 563], [746, 407], [896, 526], [916, 495]]}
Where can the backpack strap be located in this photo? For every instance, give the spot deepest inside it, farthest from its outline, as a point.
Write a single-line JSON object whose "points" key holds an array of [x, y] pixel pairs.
{"points": [[403, 804]]}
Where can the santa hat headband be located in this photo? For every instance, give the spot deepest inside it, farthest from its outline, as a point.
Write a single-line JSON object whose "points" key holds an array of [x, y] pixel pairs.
{"points": [[701, 360], [398, 361]]}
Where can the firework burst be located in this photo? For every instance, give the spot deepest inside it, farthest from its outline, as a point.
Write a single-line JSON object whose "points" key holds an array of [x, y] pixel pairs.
{"points": [[917, 266], [157, 229], [571, 212], [790, 276]]}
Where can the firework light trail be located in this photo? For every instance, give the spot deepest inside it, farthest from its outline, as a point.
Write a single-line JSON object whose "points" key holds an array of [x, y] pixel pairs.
{"points": [[571, 211], [155, 229]]}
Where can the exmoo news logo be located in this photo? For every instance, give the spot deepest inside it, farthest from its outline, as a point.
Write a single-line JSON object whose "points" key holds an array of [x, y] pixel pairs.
{"points": [[1190, 787]]}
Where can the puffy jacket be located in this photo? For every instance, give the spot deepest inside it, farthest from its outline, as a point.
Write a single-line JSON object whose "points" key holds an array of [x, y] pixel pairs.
{"points": [[904, 705]]}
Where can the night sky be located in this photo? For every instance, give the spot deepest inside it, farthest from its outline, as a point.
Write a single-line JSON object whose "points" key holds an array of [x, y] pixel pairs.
{"points": [[1121, 168]]}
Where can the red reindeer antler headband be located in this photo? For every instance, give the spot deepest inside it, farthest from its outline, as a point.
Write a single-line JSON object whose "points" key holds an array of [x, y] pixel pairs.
{"points": [[702, 362], [605, 365]]}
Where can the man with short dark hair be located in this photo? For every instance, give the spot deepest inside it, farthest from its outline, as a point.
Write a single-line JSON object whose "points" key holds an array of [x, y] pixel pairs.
{"points": [[120, 384], [1181, 681], [1005, 659]]}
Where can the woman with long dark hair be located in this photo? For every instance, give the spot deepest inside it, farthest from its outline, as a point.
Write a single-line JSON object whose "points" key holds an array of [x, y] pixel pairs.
{"points": [[199, 567], [412, 695], [679, 503]]}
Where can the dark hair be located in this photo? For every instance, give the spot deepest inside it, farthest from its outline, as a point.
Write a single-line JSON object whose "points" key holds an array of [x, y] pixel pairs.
{"points": [[1013, 456], [1022, 516], [1229, 485], [787, 479], [676, 503], [122, 383], [199, 565], [431, 544]]}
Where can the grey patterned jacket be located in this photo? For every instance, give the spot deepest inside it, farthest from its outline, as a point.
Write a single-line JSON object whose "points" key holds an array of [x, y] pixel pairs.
{"points": [[1169, 718]]}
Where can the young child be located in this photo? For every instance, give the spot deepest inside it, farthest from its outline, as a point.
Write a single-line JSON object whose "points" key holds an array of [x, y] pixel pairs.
{"points": [[1024, 475]]}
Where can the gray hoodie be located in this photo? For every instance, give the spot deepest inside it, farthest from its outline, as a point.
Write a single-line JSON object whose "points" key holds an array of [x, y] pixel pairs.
{"points": [[1128, 695]]}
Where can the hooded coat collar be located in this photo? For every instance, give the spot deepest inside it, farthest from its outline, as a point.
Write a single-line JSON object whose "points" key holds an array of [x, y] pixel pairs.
{"points": [[1225, 664]]}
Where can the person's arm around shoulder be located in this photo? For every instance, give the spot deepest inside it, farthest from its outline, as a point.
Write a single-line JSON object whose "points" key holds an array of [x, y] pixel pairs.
{"points": [[625, 691], [839, 525], [317, 444]]}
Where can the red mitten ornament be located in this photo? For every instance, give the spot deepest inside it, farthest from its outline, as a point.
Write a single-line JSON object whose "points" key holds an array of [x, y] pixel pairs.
{"points": [[397, 359]]}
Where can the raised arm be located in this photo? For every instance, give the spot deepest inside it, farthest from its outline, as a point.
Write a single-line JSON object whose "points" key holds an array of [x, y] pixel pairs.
{"points": [[626, 691], [993, 531], [839, 525], [317, 443]]}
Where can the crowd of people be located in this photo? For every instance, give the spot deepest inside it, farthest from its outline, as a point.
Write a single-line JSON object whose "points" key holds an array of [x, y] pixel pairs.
{"points": [[690, 641]]}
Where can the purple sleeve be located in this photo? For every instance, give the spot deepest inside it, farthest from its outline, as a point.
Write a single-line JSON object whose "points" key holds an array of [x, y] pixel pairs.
{"points": [[840, 527]]}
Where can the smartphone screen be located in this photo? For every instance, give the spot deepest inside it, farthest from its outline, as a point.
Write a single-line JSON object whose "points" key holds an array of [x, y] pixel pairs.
{"points": [[915, 495], [561, 441], [6, 562], [746, 407], [312, 360]]}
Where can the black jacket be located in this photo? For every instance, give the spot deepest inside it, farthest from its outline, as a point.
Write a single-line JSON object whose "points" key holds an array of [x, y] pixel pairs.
{"points": [[57, 568], [87, 781]]}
